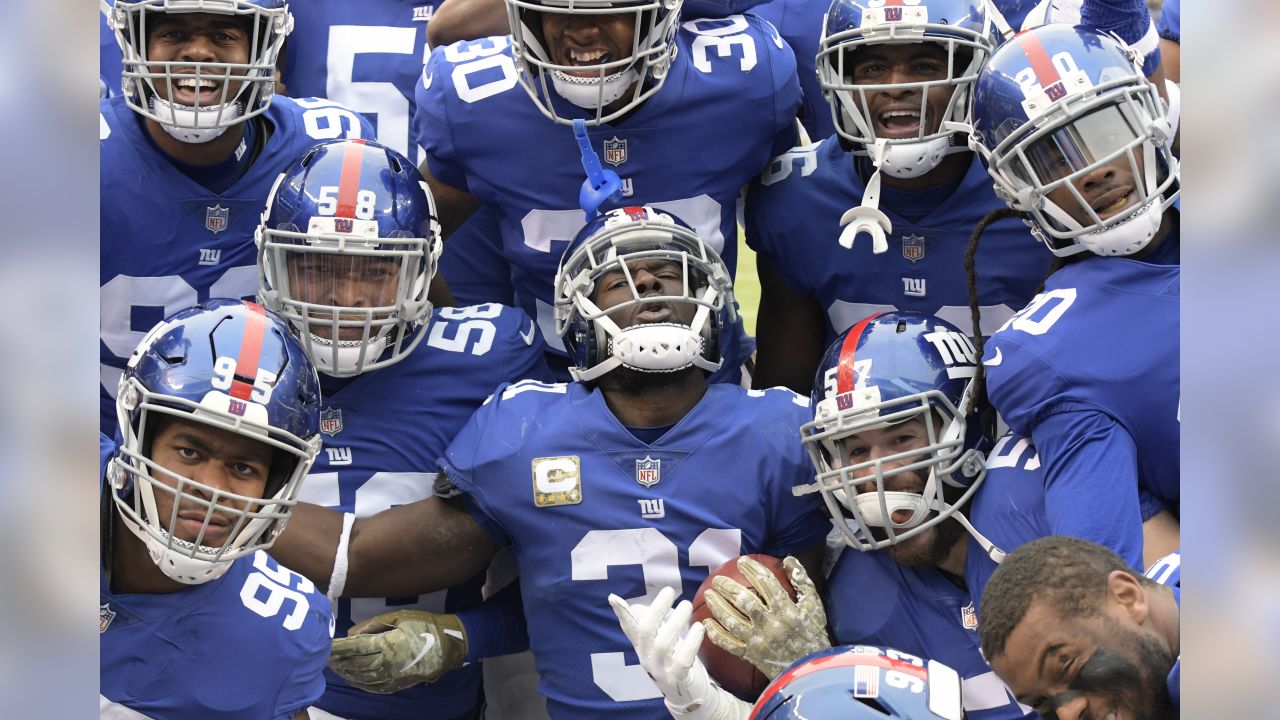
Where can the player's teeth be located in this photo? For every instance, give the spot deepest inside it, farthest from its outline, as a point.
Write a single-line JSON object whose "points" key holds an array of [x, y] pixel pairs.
{"points": [[586, 55]]}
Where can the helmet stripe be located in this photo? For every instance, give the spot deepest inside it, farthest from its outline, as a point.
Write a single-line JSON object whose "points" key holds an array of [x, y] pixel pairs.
{"points": [[255, 329], [844, 375], [349, 181], [1041, 65]]}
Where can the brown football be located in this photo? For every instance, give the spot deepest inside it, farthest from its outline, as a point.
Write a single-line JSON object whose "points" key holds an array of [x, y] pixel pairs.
{"points": [[733, 673]]}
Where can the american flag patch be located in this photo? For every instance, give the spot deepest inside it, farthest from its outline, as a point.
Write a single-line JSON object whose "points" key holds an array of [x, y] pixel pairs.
{"points": [[866, 681]]}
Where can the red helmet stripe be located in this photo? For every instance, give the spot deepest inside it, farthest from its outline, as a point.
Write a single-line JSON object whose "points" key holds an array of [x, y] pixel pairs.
{"points": [[844, 375], [1041, 65], [255, 329], [349, 181]]}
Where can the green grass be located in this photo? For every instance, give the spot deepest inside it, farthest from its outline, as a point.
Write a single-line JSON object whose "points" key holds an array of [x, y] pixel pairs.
{"points": [[746, 286]]}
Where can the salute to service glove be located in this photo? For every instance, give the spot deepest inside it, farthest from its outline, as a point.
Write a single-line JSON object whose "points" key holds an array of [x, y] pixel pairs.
{"points": [[673, 661], [768, 630], [395, 650]]}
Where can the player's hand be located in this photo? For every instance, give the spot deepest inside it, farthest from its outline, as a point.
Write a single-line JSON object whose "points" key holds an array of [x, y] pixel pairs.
{"points": [[768, 630], [671, 660], [395, 650]]}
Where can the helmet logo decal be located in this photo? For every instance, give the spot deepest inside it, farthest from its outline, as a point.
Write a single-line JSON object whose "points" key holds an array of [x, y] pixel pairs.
{"points": [[1047, 80], [850, 370], [957, 352], [349, 182], [892, 11]]}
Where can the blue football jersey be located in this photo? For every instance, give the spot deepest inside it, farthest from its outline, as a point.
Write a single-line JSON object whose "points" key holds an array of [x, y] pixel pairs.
{"points": [[384, 432], [727, 106], [800, 24], [793, 217], [250, 645], [1170, 24], [872, 599], [1014, 506], [167, 241], [607, 513], [110, 59], [1097, 354], [369, 57]]}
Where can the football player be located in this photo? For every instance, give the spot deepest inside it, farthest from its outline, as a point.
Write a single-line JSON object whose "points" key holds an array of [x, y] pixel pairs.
{"points": [[1170, 30], [1082, 146], [188, 153], [1077, 633], [894, 78], [684, 112], [219, 411], [347, 249], [643, 474], [369, 57], [899, 455]]}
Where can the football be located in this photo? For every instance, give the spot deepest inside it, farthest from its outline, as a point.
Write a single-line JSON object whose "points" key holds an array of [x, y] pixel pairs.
{"points": [[733, 673]]}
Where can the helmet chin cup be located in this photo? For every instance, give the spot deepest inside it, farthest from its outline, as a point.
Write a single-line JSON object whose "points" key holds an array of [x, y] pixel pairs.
{"points": [[868, 506], [593, 93], [657, 347], [911, 160]]}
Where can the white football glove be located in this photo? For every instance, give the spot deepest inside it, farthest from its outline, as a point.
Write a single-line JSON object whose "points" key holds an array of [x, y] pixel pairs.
{"points": [[399, 649], [773, 632], [672, 661]]}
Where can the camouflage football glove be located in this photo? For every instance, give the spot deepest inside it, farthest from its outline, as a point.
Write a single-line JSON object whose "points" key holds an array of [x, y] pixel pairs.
{"points": [[396, 650], [769, 630]]}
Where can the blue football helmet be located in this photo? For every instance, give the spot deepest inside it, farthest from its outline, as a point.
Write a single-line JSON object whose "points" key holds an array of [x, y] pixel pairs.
{"points": [[862, 682], [232, 366], [888, 369], [960, 27], [593, 83], [611, 244], [1060, 107], [221, 94], [347, 248]]}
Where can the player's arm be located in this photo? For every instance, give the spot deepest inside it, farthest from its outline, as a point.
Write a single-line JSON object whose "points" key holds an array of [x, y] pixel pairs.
{"points": [[457, 20], [791, 332], [453, 205], [1091, 480], [1161, 535], [428, 545]]}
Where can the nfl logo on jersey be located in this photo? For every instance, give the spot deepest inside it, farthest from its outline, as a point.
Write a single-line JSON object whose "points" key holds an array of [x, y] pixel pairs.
{"points": [[105, 616], [969, 617], [615, 151], [648, 471], [913, 248], [216, 219], [331, 421]]}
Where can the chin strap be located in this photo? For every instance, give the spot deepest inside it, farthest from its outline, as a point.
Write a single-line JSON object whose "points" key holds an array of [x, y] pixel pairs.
{"points": [[995, 553], [868, 217]]}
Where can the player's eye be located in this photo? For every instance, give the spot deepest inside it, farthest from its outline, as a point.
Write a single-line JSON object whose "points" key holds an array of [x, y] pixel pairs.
{"points": [[187, 453]]}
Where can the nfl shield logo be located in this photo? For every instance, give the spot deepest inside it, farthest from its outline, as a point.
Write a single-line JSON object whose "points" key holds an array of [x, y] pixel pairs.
{"points": [[969, 617], [913, 248], [615, 151], [648, 471], [105, 616], [215, 218], [331, 421]]}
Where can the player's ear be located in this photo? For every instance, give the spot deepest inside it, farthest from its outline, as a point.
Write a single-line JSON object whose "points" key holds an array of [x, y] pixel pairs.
{"points": [[1126, 595]]}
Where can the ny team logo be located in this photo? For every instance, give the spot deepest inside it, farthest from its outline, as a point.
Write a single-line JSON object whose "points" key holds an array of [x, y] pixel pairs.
{"points": [[615, 151], [648, 471], [216, 218], [331, 421]]}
